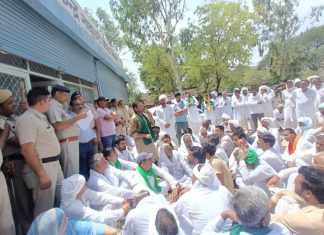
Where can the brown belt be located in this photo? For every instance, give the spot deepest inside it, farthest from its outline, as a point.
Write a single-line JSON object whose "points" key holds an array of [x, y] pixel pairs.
{"points": [[70, 139]]}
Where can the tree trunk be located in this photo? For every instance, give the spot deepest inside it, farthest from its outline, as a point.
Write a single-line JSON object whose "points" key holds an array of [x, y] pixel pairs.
{"points": [[175, 69]]}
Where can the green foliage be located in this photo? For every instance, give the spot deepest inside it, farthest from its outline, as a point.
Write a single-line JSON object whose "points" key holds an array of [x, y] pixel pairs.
{"points": [[221, 41], [150, 22], [132, 88]]}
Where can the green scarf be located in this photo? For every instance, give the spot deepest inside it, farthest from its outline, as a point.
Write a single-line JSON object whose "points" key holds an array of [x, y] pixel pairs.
{"points": [[117, 164], [236, 229], [192, 100], [145, 174], [145, 127]]}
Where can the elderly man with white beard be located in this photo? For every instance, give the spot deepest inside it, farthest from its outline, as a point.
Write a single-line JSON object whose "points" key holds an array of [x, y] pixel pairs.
{"points": [[206, 199]]}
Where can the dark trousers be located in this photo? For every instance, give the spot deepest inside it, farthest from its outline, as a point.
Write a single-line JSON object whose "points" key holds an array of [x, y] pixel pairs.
{"points": [[108, 141], [86, 153], [180, 126], [255, 117]]}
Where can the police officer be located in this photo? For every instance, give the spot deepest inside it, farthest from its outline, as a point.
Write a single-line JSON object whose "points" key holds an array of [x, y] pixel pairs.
{"points": [[6, 220], [40, 147], [66, 129], [14, 163]]}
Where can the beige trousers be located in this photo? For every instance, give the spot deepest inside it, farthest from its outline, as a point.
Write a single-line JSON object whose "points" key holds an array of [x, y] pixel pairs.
{"points": [[44, 199], [7, 226], [70, 158]]}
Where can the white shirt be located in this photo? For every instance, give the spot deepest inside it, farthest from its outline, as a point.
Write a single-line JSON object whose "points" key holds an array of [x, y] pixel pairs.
{"points": [[125, 155], [257, 177], [225, 106], [201, 204], [280, 118], [100, 183], [289, 109], [246, 105], [238, 107], [138, 220], [127, 165], [172, 182], [256, 108], [305, 102], [85, 209], [274, 159], [221, 226], [267, 99]]}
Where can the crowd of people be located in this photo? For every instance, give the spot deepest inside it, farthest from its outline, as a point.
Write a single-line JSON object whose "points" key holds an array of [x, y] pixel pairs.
{"points": [[221, 165]]}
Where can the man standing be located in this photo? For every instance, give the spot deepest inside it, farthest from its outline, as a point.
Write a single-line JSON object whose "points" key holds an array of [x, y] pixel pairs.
{"points": [[66, 130], [140, 128], [40, 148], [125, 113], [289, 107], [267, 96], [225, 104], [21, 196], [238, 106], [247, 120], [86, 107], [193, 114], [304, 100], [107, 123], [166, 119], [257, 111], [7, 225], [87, 138], [180, 108]]}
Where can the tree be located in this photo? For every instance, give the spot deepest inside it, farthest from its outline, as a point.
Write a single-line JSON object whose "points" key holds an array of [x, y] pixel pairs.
{"points": [[148, 22], [221, 41], [156, 72], [107, 27], [132, 88]]}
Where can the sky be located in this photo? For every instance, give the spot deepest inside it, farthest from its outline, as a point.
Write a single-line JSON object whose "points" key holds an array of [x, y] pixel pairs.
{"points": [[303, 10]]}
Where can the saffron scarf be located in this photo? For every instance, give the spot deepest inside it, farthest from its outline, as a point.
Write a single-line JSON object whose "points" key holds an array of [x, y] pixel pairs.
{"points": [[292, 147], [145, 174]]}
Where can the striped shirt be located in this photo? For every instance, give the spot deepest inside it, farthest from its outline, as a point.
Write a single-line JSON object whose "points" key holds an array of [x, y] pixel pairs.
{"points": [[85, 135]]}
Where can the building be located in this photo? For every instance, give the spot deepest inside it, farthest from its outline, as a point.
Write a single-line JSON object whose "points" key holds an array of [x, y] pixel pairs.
{"points": [[43, 43]]}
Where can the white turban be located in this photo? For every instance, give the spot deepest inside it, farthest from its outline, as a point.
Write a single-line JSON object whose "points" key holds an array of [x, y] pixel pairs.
{"points": [[263, 130], [214, 93], [269, 120], [71, 186], [206, 175], [311, 78], [162, 134], [143, 156], [225, 116], [235, 123], [163, 97], [306, 121]]}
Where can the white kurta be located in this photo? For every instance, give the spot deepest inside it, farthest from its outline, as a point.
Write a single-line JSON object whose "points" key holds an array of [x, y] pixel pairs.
{"points": [[305, 103], [125, 155], [111, 184], [279, 117], [238, 108], [226, 106], [165, 115], [217, 111], [201, 204], [227, 144], [274, 159], [256, 107], [267, 99], [138, 220], [257, 177], [83, 209], [177, 167], [289, 107], [168, 180]]}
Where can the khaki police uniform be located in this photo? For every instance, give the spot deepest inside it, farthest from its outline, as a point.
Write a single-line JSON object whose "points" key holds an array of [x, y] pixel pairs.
{"points": [[7, 225], [33, 127], [68, 139], [22, 197]]}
